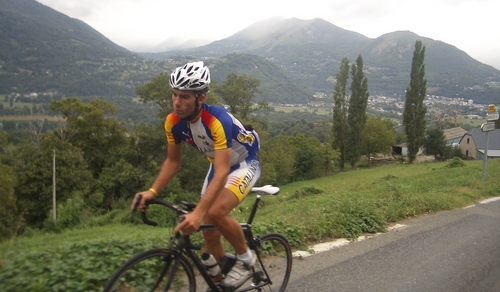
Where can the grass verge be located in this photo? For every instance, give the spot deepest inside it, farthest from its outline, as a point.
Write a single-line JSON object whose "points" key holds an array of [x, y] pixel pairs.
{"points": [[347, 205]]}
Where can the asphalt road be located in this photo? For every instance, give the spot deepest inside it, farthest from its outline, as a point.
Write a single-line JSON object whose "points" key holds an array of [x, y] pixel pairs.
{"points": [[450, 251]]}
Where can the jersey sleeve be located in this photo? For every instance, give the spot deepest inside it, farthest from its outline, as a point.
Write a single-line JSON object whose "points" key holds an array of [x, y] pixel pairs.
{"points": [[170, 122]]}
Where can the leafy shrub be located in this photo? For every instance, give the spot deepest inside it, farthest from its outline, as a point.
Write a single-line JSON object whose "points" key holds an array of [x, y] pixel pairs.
{"points": [[307, 191], [350, 220], [85, 266], [456, 162], [293, 233], [69, 215], [111, 217]]}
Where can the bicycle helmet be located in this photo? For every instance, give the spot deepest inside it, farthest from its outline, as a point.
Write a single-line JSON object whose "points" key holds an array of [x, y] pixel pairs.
{"points": [[192, 76]]}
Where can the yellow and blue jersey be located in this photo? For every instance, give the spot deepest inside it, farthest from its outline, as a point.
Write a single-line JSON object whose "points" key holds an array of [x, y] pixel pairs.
{"points": [[215, 129]]}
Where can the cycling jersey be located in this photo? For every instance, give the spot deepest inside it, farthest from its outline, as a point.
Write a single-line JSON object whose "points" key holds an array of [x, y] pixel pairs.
{"points": [[215, 129]]}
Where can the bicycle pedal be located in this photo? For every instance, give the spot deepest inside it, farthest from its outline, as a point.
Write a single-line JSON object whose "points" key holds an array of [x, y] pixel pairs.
{"points": [[258, 277]]}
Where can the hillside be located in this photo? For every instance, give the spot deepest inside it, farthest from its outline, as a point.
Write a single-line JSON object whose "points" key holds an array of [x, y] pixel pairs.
{"points": [[42, 50], [311, 51], [449, 71], [276, 84]]}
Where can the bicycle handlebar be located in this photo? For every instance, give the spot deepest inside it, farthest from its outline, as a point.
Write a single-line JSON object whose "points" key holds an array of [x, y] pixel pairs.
{"points": [[155, 201]]}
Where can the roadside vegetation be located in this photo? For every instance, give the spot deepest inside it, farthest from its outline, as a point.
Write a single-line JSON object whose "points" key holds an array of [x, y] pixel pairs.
{"points": [[345, 205]]}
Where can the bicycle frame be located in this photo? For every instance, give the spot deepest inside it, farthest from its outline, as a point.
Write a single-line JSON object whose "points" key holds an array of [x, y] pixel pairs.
{"points": [[183, 244]]}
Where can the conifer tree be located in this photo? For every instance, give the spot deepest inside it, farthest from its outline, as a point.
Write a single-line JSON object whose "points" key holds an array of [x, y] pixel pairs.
{"points": [[340, 111], [414, 110], [356, 118]]}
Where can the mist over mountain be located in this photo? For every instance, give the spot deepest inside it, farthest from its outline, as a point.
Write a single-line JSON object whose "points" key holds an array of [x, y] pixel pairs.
{"points": [[172, 44], [311, 52], [296, 60]]}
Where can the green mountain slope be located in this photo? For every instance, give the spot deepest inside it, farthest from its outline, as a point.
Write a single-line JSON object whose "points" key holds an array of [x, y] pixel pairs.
{"points": [[276, 84], [43, 50], [449, 70]]}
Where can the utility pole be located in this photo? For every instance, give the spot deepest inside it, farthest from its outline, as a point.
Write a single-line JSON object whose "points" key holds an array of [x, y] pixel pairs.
{"points": [[54, 184]]}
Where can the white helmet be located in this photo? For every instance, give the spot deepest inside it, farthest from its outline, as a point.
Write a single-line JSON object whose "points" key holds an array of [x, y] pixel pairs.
{"points": [[192, 76]]}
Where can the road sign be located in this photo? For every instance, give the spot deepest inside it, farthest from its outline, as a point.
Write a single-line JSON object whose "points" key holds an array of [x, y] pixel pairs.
{"points": [[492, 116], [486, 127]]}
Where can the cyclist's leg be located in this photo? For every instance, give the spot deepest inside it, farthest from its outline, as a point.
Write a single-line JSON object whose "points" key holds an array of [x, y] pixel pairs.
{"points": [[230, 228], [219, 216], [240, 182], [241, 179]]}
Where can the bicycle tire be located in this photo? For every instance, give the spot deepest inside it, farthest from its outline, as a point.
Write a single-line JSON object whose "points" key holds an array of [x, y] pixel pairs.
{"points": [[276, 257], [151, 271]]}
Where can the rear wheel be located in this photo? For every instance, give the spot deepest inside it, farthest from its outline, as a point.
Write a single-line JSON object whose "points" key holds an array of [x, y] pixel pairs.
{"points": [[154, 270], [273, 271]]}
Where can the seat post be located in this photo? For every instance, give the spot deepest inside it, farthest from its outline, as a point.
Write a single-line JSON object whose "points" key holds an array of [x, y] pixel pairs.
{"points": [[254, 208]]}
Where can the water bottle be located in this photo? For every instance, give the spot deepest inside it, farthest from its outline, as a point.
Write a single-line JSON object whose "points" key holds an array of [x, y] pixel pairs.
{"points": [[210, 264]]}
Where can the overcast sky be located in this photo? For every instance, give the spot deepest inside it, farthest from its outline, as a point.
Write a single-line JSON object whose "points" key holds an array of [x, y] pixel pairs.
{"points": [[470, 25]]}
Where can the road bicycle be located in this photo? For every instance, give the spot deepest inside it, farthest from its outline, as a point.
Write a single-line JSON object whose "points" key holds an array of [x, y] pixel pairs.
{"points": [[171, 268]]}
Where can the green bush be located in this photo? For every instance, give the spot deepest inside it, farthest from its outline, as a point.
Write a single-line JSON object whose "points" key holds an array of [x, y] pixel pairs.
{"points": [[69, 215], [85, 266], [456, 162], [111, 217], [347, 219], [293, 233], [307, 191]]}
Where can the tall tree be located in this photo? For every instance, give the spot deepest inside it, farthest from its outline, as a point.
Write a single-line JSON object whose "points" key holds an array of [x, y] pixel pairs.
{"points": [[34, 175], [415, 110], [98, 134], [157, 91], [356, 115], [435, 143], [278, 157], [9, 222], [340, 111], [378, 136], [237, 92], [309, 157]]}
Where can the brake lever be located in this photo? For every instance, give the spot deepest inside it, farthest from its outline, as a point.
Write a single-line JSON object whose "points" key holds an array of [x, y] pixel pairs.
{"points": [[136, 204], [179, 233]]}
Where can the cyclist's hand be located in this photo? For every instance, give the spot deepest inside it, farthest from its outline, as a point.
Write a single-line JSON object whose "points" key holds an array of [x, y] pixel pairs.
{"points": [[146, 196], [190, 224]]}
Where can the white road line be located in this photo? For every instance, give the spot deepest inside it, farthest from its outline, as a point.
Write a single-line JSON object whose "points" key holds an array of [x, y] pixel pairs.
{"points": [[489, 200], [321, 247]]}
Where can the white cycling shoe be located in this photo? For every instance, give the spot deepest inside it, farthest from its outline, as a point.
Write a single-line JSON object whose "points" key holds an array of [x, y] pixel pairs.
{"points": [[239, 273]]}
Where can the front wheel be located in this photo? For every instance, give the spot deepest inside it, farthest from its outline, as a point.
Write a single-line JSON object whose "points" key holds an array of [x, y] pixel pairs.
{"points": [[154, 270], [273, 270]]}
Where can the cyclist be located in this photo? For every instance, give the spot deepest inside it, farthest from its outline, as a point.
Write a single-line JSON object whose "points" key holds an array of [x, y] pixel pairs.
{"points": [[234, 165]]}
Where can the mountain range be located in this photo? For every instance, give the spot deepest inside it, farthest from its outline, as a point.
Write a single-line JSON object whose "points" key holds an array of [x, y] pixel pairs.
{"points": [[311, 51], [42, 50]]}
